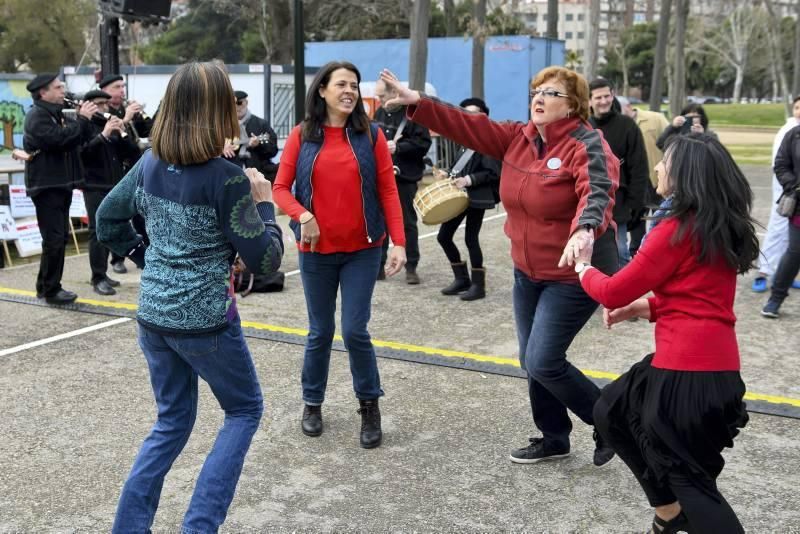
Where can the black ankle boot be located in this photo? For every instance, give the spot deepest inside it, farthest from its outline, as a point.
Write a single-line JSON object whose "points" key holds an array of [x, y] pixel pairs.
{"points": [[371, 435], [461, 282], [478, 288], [312, 421]]}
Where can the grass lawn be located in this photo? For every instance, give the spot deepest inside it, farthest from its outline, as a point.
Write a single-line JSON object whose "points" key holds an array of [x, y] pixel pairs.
{"points": [[751, 154], [742, 115]]}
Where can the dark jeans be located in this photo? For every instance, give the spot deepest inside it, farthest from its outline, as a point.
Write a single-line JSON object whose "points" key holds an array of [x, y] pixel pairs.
{"points": [[789, 265], [323, 275], [407, 191], [52, 213], [705, 512], [548, 316], [175, 361], [98, 254], [448, 229]]}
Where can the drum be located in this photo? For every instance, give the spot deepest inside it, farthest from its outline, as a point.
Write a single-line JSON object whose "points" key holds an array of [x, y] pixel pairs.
{"points": [[440, 201]]}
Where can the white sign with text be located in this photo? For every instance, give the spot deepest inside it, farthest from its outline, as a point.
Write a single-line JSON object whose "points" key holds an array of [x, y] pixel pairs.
{"points": [[8, 228], [21, 204], [29, 239]]}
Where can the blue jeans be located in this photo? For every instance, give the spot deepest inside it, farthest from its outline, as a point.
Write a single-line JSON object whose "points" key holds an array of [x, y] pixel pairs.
{"points": [[323, 275], [175, 361], [548, 316], [622, 245]]}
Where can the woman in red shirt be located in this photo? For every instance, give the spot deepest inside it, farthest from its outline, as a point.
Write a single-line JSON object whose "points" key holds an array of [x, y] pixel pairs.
{"points": [[670, 415], [345, 198]]}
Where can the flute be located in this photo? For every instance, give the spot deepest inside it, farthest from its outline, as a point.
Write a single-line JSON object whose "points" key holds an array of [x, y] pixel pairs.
{"points": [[75, 104]]}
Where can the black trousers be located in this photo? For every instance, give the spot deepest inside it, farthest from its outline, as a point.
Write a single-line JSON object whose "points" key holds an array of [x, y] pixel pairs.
{"points": [[98, 254], [706, 513], [789, 265], [52, 213], [448, 229], [407, 192]]}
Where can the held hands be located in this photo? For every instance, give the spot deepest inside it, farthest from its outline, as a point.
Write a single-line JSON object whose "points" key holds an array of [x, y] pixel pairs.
{"points": [[309, 231], [260, 187], [579, 248], [396, 260], [637, 308], [405, 96], [87, 109]]}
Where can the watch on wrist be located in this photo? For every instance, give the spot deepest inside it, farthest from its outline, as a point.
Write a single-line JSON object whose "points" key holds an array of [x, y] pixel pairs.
{"points": [[582, 266]]}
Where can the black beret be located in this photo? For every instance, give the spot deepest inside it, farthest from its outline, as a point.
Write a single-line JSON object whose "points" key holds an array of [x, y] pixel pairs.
{"points": [[477, 102], [42, 80], [108, 80], [96, 93], [240, 95]]}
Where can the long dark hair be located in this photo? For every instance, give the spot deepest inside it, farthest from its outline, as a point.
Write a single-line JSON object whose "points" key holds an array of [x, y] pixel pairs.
{"points": [[712, 200], [316, 110], [697, 108]]}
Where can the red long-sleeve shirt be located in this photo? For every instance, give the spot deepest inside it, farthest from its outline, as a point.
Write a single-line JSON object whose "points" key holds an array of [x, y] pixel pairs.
{"points": [[693, 303], [337, 203]]}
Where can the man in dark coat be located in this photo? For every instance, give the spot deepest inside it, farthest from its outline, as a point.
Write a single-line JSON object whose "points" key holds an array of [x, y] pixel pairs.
{"points": [[408, 152], [103, 155], [51, 174], [627, 143], [257, 143]]}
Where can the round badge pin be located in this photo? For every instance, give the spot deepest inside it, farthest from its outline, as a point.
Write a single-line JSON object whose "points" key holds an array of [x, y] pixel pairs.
{"points": [[553, 164]]}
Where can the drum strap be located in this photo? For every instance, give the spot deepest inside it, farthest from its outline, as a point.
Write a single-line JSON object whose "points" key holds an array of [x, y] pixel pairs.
{"points": [[399, 133], [462, 162]]}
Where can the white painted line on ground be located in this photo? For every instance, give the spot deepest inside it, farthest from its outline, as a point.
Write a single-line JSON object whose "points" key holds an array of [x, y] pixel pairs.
{"points": [[59, 337], [424, 236]]}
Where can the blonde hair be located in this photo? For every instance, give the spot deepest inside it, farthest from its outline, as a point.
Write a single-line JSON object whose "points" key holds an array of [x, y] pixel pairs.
{"points": [[196, 116], [576, 85]]}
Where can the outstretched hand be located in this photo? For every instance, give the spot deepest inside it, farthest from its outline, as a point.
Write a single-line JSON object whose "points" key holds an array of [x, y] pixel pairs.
{"points": [[405, 96], [579, 248]]}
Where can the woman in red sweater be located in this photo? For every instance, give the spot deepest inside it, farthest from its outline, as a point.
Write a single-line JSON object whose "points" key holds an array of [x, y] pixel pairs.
{"points": [[344, 201], [670, 416], [557, 185]]}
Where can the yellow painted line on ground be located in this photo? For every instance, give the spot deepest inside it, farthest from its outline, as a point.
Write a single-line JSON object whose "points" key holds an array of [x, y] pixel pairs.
{"points": [[499, 360]]}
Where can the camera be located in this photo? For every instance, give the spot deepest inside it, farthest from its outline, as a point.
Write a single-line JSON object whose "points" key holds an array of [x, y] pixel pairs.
{"points": [[687, 126]]}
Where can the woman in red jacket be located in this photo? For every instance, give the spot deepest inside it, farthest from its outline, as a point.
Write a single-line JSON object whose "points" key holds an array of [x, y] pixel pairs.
{"points": [[671, 415], [557, 185], [345, 199]]}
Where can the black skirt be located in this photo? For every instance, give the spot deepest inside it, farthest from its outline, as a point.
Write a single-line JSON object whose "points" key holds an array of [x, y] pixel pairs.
{"points": [[681, 420]]}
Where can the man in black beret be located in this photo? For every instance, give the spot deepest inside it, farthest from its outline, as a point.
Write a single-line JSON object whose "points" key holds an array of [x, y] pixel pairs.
{"points": [[51, 174], [137, 125], [103, 154], [257, 143]]}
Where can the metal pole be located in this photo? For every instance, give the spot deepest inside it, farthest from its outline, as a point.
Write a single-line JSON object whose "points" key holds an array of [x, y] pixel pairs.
{"points": [[299, 63], [109, 45]]}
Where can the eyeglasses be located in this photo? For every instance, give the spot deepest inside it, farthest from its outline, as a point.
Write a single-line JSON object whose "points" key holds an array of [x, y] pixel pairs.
{"points": [[550, 93]]}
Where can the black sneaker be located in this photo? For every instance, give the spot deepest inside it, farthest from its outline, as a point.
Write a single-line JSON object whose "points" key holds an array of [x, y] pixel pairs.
{"points": [[536, 452], [771, 309], [602, 452]]}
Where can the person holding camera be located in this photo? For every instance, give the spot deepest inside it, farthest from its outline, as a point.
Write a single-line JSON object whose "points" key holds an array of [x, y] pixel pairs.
{"points": [[787, 170], [693, 119]]}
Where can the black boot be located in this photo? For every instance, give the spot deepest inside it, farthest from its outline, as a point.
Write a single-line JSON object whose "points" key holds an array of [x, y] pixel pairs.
{"points": [[312, 421], [371, 434], [461, 282], [478, 288]]}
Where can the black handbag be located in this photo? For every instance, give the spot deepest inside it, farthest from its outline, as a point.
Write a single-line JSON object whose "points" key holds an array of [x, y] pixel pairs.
{"points": [[787, 204]]}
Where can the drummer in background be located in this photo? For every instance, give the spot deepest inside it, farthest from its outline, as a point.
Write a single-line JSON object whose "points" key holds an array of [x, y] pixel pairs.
{"points": [[557, 185], [408, 149], [481, 179]]}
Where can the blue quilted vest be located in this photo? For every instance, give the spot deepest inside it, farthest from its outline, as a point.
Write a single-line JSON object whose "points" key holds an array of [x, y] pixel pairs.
{"points": [[363, 148]]}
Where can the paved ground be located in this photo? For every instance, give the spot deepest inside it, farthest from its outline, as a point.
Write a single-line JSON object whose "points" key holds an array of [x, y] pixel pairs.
{"points": [[78, 408]]}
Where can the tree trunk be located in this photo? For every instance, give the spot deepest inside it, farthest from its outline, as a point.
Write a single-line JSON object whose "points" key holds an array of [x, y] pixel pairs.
{"points": [[662, 39], [592, 38], [552, 18], [449, 18], [281, 50], [678, 89], [737, 83], [796, 77], [479, 48], [418, 56], [780, 81]]}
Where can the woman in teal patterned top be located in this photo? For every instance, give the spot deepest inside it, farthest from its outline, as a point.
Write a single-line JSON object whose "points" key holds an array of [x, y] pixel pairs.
{"points": [[199, 212]]}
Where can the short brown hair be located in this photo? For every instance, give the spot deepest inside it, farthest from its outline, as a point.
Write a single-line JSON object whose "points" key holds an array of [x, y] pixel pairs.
{"points": [[576, 85], [196, 116]]}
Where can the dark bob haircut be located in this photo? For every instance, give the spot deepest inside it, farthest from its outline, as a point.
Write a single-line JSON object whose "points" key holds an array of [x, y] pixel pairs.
{"points": [[317, 110], [697, 108], [712, 200]]}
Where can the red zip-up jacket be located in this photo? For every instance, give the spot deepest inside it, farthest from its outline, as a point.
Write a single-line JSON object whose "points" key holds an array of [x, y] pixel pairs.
{"points": [[548, 190]]}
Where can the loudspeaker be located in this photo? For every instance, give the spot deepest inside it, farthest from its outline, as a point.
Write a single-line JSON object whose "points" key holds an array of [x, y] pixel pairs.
{"points": [[137, 9]]}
